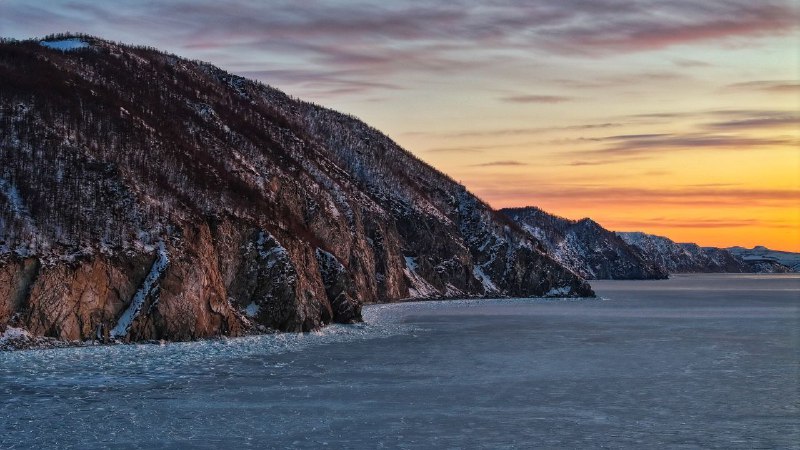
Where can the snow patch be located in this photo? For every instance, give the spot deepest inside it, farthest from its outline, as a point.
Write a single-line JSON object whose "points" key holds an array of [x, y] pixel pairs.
{"points": [[274, 254], [12, 194], [149, 284], [420, 288], [65, 45], [562, 291], [488, 284], [252, 310], [14, 334]]}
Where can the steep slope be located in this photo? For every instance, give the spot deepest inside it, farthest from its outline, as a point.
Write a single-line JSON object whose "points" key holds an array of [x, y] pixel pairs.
{"points": [[144, 196], [585, 247], [691, 258]]}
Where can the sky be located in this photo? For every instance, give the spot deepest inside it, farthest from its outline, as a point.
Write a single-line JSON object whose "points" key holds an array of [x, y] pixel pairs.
{"points": [[679, 118]]}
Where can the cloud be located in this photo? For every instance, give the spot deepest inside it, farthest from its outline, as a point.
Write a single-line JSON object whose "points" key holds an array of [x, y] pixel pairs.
{"points": [[476, 149], [724, 130], [373, 40], [685, 142], [604, 162], [655, 25], [502, 132], [536, 99], [705, 116], [322, 82], [500, 164], [776, 86], [590, 196], [689, 63], [625, 79], [668, 222], [758, 123]]}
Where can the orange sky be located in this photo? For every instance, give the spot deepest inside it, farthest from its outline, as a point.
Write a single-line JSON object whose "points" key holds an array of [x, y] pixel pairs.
{"points": [[679, 118]]}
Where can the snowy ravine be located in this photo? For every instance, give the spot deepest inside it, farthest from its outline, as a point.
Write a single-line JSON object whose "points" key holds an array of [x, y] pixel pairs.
{"points": [[149, 288]]}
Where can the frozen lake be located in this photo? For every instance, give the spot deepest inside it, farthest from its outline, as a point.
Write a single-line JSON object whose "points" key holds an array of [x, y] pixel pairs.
{"points": [[707, 361]]}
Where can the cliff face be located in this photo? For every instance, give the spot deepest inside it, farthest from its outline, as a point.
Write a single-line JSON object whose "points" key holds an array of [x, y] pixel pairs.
{"points": [[143, 196], [586, 247]]}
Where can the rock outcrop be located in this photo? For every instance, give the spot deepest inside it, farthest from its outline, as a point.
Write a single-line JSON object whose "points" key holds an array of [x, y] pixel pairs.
{"points": [[144, 196]]}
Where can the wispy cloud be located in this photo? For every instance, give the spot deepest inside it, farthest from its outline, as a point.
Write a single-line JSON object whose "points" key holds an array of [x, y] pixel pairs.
{"points": [[654, 25], [724, 130], [670, 222], [330, 82], [537, 99], [644, 145], [605, 162], [460, 149], [758, 123], [505, 132], [689, 63], [522, 194], [776, 86], [374, 39], [621, 80], [499, 164]]}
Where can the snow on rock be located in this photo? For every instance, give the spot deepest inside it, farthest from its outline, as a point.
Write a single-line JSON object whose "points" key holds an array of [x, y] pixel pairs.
{"points": [[684, 257], [584, 246], [12, 195], [148, 288], [486, 281], [419, 286], [14, 337], [65, 45], [761, 254], [252, 309], [562, 291]]}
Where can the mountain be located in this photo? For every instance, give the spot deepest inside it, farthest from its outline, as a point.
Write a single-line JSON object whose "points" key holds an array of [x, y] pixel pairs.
{"points": [[691, 258], [596, 253], [145, 196], [763, 255], [586, 247]]}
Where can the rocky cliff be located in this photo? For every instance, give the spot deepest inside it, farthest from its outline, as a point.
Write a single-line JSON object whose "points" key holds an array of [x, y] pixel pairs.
{"points": [[586, 247], [145, 196]]}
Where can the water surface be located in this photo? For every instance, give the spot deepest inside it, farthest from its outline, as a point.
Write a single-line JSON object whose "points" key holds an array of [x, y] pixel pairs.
{"points": [[707, 361]]}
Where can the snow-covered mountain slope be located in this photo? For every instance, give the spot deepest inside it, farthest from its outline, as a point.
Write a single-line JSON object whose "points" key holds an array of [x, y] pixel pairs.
{"points": [[761, 254], [585, 246], [691, 258], [145, 196]]}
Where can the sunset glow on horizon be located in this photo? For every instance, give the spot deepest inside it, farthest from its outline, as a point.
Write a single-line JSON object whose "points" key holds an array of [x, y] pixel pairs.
{"points": [[678, 118]]}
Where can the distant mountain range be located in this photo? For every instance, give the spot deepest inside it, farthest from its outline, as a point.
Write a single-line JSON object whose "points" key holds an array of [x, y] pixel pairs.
{"points": [[762, 255], [597, 253], [692, 258]]}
